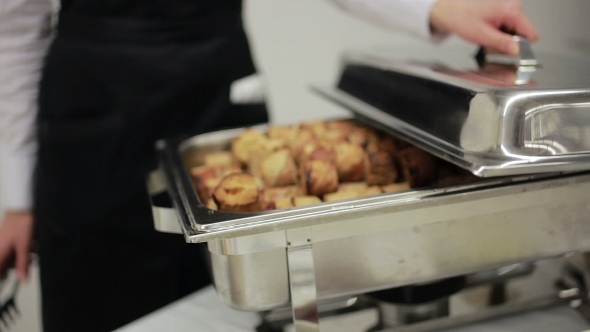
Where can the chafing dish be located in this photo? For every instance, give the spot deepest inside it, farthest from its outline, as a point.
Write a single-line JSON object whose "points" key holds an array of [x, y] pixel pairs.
{"points": [[524, 136]]}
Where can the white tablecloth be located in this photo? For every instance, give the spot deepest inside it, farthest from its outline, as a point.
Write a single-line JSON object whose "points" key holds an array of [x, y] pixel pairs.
{"points": [[204, 311]]}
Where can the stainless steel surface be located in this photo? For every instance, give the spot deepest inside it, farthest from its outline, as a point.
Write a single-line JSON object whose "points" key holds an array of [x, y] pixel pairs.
{"points": [[384, 241], [396, 315], [166, 219], [480, 118], [302, 284], [525, 58], [552, 283]]}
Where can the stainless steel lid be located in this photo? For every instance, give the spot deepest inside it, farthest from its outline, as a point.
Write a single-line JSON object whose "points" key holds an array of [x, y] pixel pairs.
{"points": [[490, 114]]}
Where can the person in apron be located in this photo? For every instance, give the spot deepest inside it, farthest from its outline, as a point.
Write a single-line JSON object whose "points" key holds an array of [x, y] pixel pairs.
{"points": [[118, 76]]}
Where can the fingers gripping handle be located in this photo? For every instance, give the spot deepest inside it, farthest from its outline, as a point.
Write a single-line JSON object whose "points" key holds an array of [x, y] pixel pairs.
{"points": [[166, 219]]}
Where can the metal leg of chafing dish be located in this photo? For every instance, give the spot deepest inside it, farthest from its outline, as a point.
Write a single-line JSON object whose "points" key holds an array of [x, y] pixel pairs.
{"points": [[302, 280]]}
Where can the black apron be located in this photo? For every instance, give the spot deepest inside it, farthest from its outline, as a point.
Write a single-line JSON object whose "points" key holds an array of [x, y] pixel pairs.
{"points": [[119, 76]]}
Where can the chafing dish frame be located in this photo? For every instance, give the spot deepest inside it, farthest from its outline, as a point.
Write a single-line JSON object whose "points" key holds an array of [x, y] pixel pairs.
{"points": [[302, 256]]}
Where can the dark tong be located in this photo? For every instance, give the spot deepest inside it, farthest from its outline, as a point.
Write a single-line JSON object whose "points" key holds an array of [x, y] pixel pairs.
{"points": [[8, 309]]}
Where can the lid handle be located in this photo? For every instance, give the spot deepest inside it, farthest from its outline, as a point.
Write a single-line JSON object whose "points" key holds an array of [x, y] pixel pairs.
{"points": [[525, 62], [525, 58]]}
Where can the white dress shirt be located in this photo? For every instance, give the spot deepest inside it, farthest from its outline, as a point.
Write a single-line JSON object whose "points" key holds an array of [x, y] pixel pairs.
{"points": [[25, 33]]}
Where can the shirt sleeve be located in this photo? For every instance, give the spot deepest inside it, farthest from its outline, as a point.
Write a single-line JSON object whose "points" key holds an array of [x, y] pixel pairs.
{"points": [[25, 32], [409, 16]]}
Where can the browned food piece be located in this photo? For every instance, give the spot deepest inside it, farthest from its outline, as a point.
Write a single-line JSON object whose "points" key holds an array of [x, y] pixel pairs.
{"points": [[353, 186], [237, 192], [220, 158], [211, 204], [316, 127], [342, 195], [350, 162], [206, 178], [395, 187], [318, 178], [373, 190], [335, 135], [241, 145], [418, 166], [206, 186], [316, 150], [273, 194], [299, 140], [284, 203], [341, 125], [362, 136], [387, 144], [380, 169], [202, 172], [278, 169], [281, 132], [257, 153], [305, 200]]}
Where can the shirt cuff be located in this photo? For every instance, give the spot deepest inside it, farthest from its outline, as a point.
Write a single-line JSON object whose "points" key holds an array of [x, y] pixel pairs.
{"points": [[16, 179]]}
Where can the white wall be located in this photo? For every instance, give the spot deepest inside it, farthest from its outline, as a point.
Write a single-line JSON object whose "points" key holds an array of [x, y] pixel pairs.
{"points": [[297, 43]]}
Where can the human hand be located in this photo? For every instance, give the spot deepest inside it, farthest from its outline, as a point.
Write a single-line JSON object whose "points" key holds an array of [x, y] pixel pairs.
{"points": [[16, 234], [481, 22]]}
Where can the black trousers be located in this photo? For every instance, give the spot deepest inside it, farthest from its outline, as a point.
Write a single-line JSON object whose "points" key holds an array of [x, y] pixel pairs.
{"points": [[107, 94]]}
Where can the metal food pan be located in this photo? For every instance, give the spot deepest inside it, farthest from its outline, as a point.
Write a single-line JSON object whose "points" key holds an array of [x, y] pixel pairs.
{"points": [[371, 243]]}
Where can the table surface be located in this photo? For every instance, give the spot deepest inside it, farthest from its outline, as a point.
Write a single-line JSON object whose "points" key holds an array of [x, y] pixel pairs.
{"points": [[205, 311]]}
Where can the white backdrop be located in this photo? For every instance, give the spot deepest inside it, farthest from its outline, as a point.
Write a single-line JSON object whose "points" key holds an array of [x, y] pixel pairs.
{"points": [[297, 43]]}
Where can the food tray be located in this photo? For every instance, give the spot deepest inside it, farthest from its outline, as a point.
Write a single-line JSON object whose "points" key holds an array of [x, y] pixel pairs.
{"points": [[178, 157], [371, 243]]}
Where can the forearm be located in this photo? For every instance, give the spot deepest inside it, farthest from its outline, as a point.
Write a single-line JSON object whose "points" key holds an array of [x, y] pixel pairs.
{"points": [[409, 16], [24, 38]]}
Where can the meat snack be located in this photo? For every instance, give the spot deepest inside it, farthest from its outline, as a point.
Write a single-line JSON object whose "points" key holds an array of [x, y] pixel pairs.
{"points": [[353, 186], [334, 136], [269, 197], [317, 150], [341, 125], [418, 166], [342, 195], [362, 136], [350, 162], [305, 201], [298, 141], [258, 152], [318, 128], [299, 165], [220, 158], [206, 178], [318, 178], [353, 190], [278, 169], [242, 144], [380, 169], [211, 204], [395, 187], [387, 144], [298, 201], [281, 132], [237, 192]]}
